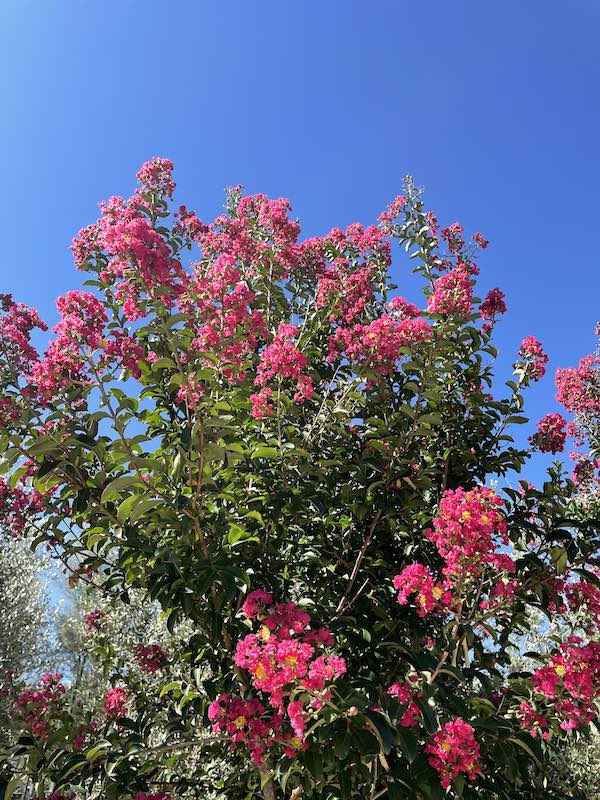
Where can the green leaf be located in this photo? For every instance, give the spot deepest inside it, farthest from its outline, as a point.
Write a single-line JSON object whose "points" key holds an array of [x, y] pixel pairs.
{"points": [[265, 452], [118, 485]]}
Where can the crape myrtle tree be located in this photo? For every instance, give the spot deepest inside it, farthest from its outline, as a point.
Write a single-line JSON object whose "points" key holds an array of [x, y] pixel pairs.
{"points": [[262, 435]]}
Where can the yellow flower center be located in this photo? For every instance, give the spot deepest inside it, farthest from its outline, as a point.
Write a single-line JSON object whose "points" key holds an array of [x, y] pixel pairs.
{"points": [[446, 746], [466, 515], [560, 670], [240, 721], [437, 592], [290, 661], [296, 742], [260, 672], [264, 633]]}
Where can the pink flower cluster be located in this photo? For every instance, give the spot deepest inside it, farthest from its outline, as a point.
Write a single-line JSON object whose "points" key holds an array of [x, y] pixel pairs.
{"points": [[17, 355], [571, 682], [532, 359], [80, 333], [551, 434], [376, 346], [150, 657], [94, 621], [37, 706], [115, 703], [406, 694], [492, 305], [430, 596], [156, 176], [465, 529], [18, 506], [452, 295], [393, 210], [578, 389], [246, 723], [453, 236], [585, 596], [230, 328], [285, 655], [283, 360], [344, 291], [454, 750]]}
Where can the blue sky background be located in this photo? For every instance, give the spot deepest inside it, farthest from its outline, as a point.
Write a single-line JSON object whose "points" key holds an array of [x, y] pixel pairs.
{"points": [[493, 107]]}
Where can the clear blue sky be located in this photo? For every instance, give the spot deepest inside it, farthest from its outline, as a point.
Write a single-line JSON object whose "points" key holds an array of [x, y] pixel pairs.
{"points": [[494, 107]]}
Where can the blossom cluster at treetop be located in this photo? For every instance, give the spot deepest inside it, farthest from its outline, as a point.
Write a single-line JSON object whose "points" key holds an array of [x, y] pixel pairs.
{"points": [[317, 473]]}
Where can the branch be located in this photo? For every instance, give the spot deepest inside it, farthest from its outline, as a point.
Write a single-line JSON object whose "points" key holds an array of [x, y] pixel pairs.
{"points": [[359, 560]]}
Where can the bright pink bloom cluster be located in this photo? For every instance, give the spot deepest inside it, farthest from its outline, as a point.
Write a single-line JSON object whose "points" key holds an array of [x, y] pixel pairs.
{"points": [[230, 328], [37, 706], [578, 389], [430, 596], [571, 681], [532, 721], [245, 723], [453, 236], [283, 654], [551, 434], [393, 210], [115, 703], [151, 657], [585, 596], [345, 291], [94, 621], [376, 346], [17, 355], [282, 359], [19, 505], [402, 309], [156, 176], [492, 305], [454, 750], [465, 529], [452, 295], [480, 240], [406, 694], [532, 359]]}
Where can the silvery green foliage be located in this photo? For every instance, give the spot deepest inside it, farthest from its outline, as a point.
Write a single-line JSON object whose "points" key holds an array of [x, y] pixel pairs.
{"points": [[579, 762], [26, 642], [124, 625]]}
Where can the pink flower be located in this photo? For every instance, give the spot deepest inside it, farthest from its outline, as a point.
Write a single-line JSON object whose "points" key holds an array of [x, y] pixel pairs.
{"points": [[115, 703], [578, 389], [532, 358], [94, 621], [465, 528], [492, 305], [417, 579], [159, 796], [452, 295], [151, 657], [282, 359], [454, 750], [256, 603], [405, 693], [156, 176], [551, 435], [376, 346]]}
